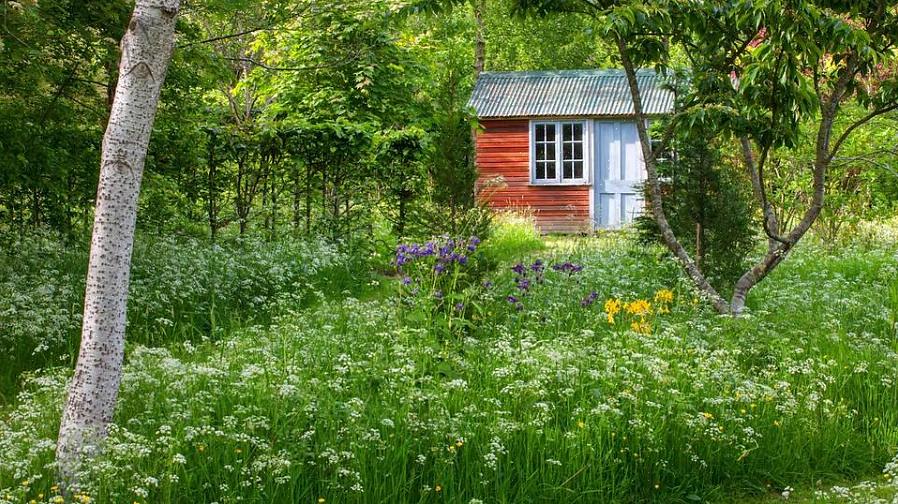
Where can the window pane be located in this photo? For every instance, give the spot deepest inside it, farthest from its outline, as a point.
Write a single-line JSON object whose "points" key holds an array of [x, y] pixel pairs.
{"points": [[568, 170], [550, 132], [578, 150], [578, 169], [578, 132], [550, 152], [540, 171], [540, 132], [540, 151], [568, 151], [550, 171]]}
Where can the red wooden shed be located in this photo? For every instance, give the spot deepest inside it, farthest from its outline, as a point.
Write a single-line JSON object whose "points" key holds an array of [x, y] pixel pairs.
{"points": [[562, 145]]}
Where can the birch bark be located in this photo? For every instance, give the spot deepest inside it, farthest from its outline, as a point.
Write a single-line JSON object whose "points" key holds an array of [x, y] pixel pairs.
{"points": [[145, 54]]}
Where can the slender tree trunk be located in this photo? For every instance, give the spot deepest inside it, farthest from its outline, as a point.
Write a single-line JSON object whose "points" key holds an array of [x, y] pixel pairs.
{"points": [[480, 37], [673, 244], [146, 52], [212, 198]]}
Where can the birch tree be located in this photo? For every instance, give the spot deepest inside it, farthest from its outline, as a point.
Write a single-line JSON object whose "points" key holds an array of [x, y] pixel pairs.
{"points": [[146, 49]]}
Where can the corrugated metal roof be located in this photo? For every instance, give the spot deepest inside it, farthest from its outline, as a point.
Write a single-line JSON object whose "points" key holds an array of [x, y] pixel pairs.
{"points": [[567, 93]]}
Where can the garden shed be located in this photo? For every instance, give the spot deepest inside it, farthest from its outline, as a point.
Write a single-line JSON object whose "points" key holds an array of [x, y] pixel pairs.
{"points": [[563, 145]]}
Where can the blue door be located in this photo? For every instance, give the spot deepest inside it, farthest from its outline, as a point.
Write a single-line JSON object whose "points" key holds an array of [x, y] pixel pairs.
{"points": [[619, 174]]}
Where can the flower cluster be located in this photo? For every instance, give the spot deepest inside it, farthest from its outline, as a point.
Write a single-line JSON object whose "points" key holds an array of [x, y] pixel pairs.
{"points": [[446, 253], [568, 267], [638, 312], [526, 276]]}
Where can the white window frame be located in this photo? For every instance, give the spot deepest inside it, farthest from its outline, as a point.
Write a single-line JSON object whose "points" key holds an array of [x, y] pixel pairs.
{"points": [[559, 152]]}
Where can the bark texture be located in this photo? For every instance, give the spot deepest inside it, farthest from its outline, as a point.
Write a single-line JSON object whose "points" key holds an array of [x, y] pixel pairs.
{"points": [[145, 54]]}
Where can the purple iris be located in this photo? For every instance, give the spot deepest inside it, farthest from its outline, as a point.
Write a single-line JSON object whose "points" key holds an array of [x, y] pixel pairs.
{"points": [[459, 307], [439, 267], [523, 284], [487, 284], [537, 266], [518, 268], [512, 299], [438, 294], [406, 280], [462, 260]]}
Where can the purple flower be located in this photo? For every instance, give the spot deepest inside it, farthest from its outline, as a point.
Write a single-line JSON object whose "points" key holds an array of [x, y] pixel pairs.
{"points": [[518, 268], [589, 300], [523, 284], [537, 266], [568, 267], [462, 260], [406, 280], [474, 240], [511, 299], [487, 284], [459, 307], [438, 294], [439, 267]]}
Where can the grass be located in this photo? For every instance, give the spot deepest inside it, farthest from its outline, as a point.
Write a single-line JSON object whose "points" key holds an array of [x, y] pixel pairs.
{"points": [[540, 400]]}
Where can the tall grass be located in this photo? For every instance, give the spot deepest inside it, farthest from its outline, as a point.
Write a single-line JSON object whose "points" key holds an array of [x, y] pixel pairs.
{"points": [[181, 289], [541, 400]]}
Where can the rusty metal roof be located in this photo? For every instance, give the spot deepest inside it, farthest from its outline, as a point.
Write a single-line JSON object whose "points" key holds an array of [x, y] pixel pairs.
{"points": [[560, 93]]}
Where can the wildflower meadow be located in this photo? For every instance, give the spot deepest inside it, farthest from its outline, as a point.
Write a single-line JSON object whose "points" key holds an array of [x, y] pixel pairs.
{"points": [[571, 370]]}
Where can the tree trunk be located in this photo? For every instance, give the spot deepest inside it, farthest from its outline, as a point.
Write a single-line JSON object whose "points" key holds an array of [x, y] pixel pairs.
{"points": [[480, 38], [667, 234], [146, 52]]}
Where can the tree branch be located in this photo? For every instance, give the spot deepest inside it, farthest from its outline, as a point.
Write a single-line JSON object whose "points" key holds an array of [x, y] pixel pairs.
{"points": [[857, 124]]}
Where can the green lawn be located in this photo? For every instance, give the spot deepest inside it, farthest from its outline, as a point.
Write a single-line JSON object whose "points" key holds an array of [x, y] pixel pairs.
{"points": [[478, 398]]}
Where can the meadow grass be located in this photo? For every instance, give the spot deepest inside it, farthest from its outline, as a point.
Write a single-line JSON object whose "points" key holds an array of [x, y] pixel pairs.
{"points": [[181, 290], [541, 399]]}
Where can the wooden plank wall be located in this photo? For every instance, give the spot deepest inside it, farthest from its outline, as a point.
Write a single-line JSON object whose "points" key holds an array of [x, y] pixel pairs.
{"points": [[502, 160]]}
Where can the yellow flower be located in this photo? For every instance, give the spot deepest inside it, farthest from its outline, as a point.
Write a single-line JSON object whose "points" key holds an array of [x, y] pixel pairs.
{"points": [[201, 448], [638, 307], [459, 443], [612, 308], [664, 296], [581, 424], [320, 500], [708, 416], [438, 488]]}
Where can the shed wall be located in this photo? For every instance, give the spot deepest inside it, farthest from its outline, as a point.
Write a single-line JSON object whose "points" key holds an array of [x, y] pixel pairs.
{"points": [[503, 164]]}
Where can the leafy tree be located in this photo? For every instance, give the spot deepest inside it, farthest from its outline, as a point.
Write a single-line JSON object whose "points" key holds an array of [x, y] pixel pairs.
{"points": [[757, 72], [707, 204]]}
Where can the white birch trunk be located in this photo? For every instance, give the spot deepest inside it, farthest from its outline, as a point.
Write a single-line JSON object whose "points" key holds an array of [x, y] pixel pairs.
{"points": [[145, 54]]}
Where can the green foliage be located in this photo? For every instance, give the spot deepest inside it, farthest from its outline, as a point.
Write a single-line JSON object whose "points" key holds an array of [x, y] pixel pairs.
{"points": [[439, 285], [708, 204], [181, 290], [347, 402]]}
